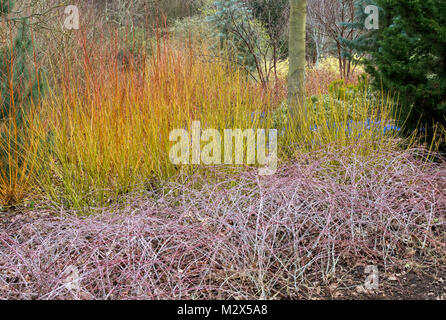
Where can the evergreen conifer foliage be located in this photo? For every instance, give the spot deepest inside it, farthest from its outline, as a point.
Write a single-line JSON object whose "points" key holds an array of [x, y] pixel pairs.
{"points": [[5, 6], [20, 84], [19, 81], [407, 56], [232, 22]]}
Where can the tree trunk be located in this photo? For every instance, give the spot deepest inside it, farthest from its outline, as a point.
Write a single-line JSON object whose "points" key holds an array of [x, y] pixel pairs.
{"points": [[296, 73]]}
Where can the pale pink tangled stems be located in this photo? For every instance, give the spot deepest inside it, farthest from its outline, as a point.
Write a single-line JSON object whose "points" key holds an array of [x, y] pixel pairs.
{"points": [[256, 238]]}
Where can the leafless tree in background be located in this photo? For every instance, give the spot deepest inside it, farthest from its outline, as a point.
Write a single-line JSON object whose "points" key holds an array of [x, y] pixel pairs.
{"points": [[327, 18], [315, 30]]}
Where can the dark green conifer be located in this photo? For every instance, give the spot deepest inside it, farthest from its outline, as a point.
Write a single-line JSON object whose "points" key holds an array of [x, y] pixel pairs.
{"points": [[407, 55], [17, 71]]}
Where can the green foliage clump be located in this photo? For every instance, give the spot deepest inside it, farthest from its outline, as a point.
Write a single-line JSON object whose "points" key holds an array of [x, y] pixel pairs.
{"points": [[5, 6], [340, 90], [344, 96], [407, 56], [343, 102], [19, 83]]}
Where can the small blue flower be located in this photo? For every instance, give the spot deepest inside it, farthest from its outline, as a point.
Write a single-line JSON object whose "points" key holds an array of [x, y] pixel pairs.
{"points": [[391, 128]]}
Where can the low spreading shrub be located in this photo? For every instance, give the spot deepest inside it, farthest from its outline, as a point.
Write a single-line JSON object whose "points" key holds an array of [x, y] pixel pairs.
{"points": [[261, 238]]}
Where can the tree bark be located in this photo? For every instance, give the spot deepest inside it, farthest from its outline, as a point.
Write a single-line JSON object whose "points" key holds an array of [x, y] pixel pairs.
{"points": [[296, 73]]}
